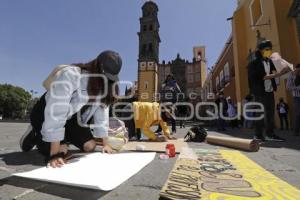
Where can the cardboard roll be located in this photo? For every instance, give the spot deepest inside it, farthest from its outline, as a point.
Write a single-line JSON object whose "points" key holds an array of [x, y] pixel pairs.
{"points": [[238, 143]]}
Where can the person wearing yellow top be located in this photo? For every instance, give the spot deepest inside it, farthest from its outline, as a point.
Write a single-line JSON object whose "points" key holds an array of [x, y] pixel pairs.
{"points": [[144, 115]]}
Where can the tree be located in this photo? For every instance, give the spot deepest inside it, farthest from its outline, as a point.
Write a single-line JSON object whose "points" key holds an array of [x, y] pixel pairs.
{"points": [[13, 101]]}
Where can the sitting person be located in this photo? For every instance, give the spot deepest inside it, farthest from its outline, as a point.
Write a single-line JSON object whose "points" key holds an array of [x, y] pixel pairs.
{"points": [[144, 115], [76, 90]]}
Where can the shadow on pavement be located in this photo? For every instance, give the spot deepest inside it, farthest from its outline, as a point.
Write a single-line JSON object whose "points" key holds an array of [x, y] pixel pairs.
{"points": [[23, 158], [33, 157], [57, 190]]}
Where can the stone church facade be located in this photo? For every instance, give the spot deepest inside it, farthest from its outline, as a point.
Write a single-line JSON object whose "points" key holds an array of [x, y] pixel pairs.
{"points": [[190, 75]]}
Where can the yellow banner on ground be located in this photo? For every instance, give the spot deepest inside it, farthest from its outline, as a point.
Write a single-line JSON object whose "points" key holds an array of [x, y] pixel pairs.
{"points": [[223, 175]]}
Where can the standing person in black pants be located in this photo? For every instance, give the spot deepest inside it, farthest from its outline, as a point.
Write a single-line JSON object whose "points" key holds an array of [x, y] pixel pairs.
{"points": [[283, 109], [261, 76], [222, 105]]}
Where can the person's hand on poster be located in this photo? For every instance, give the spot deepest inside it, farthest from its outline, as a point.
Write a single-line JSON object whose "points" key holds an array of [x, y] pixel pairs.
{"points": [[106, 147], [57, 154], [56, 162]]}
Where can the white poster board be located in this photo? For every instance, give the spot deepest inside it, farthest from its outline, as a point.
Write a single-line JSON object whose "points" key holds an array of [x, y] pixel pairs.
{"points": [[94, 171], [280, 64]]}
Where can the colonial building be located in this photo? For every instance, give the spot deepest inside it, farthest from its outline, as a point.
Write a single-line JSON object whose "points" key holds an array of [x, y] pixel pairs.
{"points": [[275, 20], [221, 77], [190, 76]]}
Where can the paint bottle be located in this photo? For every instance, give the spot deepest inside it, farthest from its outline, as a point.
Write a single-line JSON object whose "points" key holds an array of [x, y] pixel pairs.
{"points": [[170, 150]]}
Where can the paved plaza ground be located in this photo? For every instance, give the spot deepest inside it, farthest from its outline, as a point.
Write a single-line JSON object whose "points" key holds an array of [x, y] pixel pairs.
{"points": [[280, 158]]}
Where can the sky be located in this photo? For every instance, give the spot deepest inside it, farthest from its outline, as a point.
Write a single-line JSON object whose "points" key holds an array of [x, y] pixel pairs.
{"points": [[36, 36]]}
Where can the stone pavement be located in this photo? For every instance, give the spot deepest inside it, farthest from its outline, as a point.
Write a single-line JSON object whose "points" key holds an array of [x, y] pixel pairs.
{"points": [[280, 158]]}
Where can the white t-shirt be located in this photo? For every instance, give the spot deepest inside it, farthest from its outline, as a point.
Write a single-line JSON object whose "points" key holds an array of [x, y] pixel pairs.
{"points": [[268, 83]]}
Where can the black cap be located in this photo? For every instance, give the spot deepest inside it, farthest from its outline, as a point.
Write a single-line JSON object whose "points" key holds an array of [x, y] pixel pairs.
{"points": [[111, 64], [264, 44]]}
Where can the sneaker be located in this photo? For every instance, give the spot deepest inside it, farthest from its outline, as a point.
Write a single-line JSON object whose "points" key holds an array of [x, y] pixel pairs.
{"points": [[28, 140]]}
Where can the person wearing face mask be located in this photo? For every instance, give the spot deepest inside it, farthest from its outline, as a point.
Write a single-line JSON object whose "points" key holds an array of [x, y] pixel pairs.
{"points": [[261, 76]]}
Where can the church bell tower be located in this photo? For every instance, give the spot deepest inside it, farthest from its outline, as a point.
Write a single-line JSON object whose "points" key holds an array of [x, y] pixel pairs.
{"points": [[148, 53]]}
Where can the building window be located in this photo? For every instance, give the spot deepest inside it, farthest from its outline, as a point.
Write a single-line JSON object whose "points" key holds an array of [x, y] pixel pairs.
{"points": [[222, 81], [191, 78], [256, 11], [151, 66], [295, 12], [227, 73], [144, 28], [198, 68], [190, 69], [146, 84], [151, 28], [210, 86], [167, 70], [217, 83], [150, 48], [199, 56], [143, 66], [144, 49], [198, 77]]}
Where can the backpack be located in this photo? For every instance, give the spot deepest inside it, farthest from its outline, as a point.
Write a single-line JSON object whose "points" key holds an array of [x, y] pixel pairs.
{"points": [[195, 134]]}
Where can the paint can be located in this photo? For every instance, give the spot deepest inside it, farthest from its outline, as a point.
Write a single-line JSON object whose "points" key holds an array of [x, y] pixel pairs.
{"points": [[170, 150]]}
